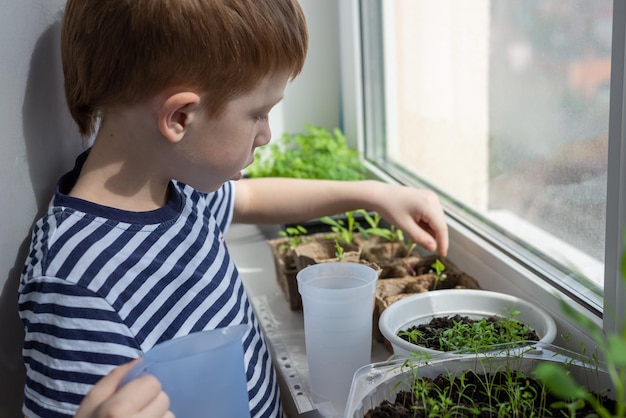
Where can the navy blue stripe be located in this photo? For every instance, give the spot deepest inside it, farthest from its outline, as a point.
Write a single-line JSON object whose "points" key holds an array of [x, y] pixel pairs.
{"points": [[223, 207], [56, 287], [56, 395], [273, 408], [93, 239], [75, 355], [254, 362], [156, 263], [105, 256], [64, 375], [40, 228], [41, 412], [137, 255], [182, 286], [61, 240], [193, 305], [228, 203], [81, 247], [82, 335], [236, 309], [69, 311], [220, 303], [266, 383]]}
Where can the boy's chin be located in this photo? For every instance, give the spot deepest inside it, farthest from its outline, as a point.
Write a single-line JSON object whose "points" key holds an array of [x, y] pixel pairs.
{"points": [[237, 176]]}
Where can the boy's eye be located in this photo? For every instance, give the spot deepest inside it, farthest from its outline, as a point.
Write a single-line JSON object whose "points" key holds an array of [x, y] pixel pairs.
{"points": [[261, 118]]}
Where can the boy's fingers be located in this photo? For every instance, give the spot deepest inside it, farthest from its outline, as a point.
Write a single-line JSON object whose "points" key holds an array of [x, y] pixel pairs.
{"points": [[106, 386], [439, 236], [142, 391], [157, 407]]}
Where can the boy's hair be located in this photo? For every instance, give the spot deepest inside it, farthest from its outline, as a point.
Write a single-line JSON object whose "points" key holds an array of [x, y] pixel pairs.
{"points": [[119, 52]]}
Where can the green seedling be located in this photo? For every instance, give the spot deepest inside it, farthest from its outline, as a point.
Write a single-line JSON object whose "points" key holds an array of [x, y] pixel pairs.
{"points": [[296, 235], [502, 392], [343, 231], [338, 251], [391, 234], [472, 336], [373, 221], [438, 269]]}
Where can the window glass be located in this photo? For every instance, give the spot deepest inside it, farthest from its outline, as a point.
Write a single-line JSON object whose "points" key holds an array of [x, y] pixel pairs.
{"points": [[503, 106]]}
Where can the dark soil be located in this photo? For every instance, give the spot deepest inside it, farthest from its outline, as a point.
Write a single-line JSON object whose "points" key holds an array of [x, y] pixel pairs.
{"points": [[430, 334], [513, 394], [421, 269]]}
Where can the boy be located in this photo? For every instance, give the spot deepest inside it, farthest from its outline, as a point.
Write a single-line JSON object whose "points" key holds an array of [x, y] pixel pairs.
{"points": [[131, 252]]}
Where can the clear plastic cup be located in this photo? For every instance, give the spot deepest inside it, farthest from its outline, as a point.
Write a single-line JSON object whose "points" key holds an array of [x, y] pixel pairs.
{"points": [[337, 299], [202, 373]]}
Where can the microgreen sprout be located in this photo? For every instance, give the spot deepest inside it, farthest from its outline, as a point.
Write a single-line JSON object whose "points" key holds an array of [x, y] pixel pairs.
{"points": [[338, 251], [438, 269], [344, 231], [296, 235]]}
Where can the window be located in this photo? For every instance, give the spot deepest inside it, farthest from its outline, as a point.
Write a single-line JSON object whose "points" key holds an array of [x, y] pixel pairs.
{"points": [[504, 108]]}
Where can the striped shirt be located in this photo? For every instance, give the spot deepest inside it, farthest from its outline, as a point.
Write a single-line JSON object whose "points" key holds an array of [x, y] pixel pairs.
{"points": [[101, 286]]}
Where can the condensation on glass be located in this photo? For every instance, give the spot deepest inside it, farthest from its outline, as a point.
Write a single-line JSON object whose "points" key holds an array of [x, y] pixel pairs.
{"points": [[505, 106]]}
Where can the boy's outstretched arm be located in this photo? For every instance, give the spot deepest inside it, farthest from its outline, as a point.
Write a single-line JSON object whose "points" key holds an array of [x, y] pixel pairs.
{"points": [[417, 212]]}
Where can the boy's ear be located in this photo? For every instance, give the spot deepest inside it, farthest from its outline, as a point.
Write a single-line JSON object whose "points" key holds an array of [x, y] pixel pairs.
{"points": [[176, 113]]}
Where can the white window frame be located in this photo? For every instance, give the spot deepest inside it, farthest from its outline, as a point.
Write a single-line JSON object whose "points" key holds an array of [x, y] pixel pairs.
{"points": [[492, 266]]}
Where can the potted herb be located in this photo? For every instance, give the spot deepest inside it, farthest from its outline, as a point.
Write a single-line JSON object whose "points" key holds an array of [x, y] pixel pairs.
{"points": [[414, 274], [501, 384], [316, 154], [282, 249], [324, 247], [296, 249], [462, 319], [381, 243]]}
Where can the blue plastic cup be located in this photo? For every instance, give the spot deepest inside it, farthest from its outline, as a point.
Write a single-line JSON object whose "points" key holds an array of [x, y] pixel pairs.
{"points": [[202, 373]]}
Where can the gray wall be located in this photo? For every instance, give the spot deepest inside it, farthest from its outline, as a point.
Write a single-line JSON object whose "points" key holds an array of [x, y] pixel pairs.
{"points": [[38, 144], [39, 141]]}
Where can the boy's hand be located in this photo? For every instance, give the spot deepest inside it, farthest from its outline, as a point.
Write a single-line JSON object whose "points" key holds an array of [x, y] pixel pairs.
{"points": [[417, 212], [140, 398]]}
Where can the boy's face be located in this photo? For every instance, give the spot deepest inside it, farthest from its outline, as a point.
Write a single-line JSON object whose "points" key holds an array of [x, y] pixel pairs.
{"points": [[215, 150]]}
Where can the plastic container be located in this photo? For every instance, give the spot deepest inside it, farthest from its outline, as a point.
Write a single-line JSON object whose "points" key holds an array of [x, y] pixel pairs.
{"points": [[337, 300], [476, 304], [377, 382], [202, 373]]}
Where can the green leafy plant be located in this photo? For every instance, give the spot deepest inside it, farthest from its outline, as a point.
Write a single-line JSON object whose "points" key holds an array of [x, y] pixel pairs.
{"points": [[338, 251], [316, 154], [499, 392], [391, 233], [468, 335], [438, 269], [296, 235], [611, 348], [412, 335], [343, 231]]}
